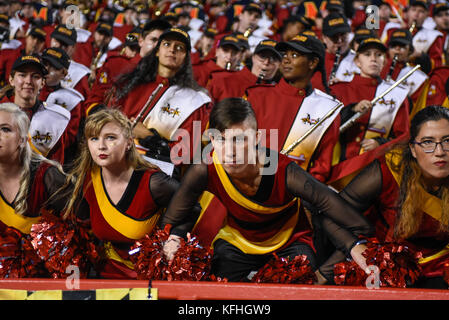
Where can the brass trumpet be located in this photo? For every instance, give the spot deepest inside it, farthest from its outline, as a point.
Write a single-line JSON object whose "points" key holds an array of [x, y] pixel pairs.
{"points": [[248, 32], [228, 65], [412, 27]]}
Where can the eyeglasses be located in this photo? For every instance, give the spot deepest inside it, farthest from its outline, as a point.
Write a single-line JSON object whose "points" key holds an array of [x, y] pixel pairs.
{"points": [[429, 146]]}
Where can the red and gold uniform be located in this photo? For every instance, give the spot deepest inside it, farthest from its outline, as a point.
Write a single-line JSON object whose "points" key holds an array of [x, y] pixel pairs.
{"points": [[366, 89], [277, 107], [7, 58], [57, 150], [203, 70], [115, 65], [134, 101], [45, 180], [230, 84], [436, 90], [382, 181], [119, 225], [267, 232]]}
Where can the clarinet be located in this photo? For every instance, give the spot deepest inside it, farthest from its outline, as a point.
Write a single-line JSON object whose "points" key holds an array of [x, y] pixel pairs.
{"points": [[335, 66], [228, 65], [393, 65]]}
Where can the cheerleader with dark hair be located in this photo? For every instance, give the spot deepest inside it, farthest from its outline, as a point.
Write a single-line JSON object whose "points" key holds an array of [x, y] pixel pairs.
{"points": [[405, 193]]}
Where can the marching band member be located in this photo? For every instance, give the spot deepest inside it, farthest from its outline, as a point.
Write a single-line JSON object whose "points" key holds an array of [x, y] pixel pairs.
{"points": [[48, 120], [77, 74], [265, 65], [400, 45], [115, 65], [405, 193], [57, 63], [151, 32], [336, 32], [425, 41], [228, 57], [34, 44], [179, 104], [386, 121], [440, 14], [265, 211], [292, 106]]}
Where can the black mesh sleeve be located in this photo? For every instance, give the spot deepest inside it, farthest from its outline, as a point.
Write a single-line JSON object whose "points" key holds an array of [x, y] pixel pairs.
{"points": [[183, 209], [365, 188], [344, 223], [162, 188], [53, 180]]}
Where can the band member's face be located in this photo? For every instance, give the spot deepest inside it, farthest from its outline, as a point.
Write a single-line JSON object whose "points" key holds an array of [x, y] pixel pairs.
{"points": [[292, 29], [401, 50], [34, 45], [10, 139], [27, 82], [384, 12], [205, 44], [248, 19], [57, 44], [296, 65], [434, 165], [265, 63], [228, 53], [54, 76], [416, 13], [442, 20], [172, 54], [370, 62], [101, 40], [340, 40], [109, 148], [236, 147], [148, 43]]}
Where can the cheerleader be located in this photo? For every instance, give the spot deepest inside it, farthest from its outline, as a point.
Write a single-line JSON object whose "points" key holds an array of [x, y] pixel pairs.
{"points": [[115, 190], [405, 193]]}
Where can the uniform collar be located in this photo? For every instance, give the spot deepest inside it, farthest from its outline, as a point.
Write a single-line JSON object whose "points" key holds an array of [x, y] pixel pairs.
{"points": [[366, 81], [288, 89]]}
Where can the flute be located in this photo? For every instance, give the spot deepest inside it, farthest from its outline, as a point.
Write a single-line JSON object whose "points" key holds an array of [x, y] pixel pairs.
{"points": [[356, 116], [309, 132], [147, 104]]}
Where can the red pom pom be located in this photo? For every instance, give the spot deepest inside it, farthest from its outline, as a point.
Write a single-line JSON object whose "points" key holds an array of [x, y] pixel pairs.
{"points": [[397, 265], [17, 256], [283, 270], [191, 262], [61, 244]]}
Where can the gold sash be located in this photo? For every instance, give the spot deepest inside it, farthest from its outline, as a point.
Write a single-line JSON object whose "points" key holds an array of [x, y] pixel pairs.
{"points": [[9, 217], [234, 237], [127, 226], [431, 205]]}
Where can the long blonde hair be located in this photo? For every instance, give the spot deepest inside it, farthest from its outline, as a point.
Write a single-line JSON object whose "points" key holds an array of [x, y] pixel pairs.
{"points": [[26, 156], [84, 163]]}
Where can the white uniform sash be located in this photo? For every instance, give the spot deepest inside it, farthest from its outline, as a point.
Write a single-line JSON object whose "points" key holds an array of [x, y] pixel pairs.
{"points": [[65, 97], [47, 126], [173, 108], [414, 81], [75, 73], [424, 38], [312, 109], [384, 111], [10, 44], [347, 68], [388, 26], [82, 35]]}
